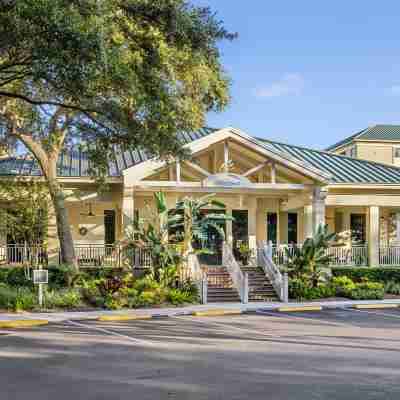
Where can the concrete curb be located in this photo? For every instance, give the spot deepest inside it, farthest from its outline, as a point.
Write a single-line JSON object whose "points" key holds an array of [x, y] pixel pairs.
{"points": [[111, 318], [374, 306], [216, 313], [298, 309], [212, 309], [22, 323]]}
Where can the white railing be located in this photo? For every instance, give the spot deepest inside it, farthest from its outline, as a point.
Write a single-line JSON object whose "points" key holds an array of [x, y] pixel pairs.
{"points": [[91, 255], [389, 255], [348, 256], [278, 280], [240, 280], [16, 255], [193, 271], [112, 256], [340, 255]]}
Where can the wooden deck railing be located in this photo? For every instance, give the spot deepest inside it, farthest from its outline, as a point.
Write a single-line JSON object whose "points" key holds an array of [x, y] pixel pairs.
{"points": [[389, 256], [89, 256], [340, 255]]}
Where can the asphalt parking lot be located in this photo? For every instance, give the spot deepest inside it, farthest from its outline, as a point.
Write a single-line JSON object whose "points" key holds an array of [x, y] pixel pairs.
{"points": [[333, 354]]}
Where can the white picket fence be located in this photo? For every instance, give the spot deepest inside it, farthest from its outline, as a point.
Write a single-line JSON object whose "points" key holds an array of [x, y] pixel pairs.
{"points": [[88, 256], [340, 256], [389, 256]]}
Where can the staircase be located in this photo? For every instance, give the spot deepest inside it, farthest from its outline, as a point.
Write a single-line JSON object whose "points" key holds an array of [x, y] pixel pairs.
{"points": [[219, 286], [260, 288], [221, 290]]}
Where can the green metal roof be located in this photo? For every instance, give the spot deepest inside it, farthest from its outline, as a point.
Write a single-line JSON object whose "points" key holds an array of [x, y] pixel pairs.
{"points": [[376, 132], [343, 169], [75, 163]]}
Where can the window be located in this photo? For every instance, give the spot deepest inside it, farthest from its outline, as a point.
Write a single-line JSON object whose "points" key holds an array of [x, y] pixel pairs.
{"points": [[109, 227], [292, 228], [396, 152], [353, 151], [272, 221], [357, 227]]}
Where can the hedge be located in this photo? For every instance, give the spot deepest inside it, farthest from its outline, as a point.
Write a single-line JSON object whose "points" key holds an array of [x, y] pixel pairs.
{"points": [[15, 276], [375, 274]]}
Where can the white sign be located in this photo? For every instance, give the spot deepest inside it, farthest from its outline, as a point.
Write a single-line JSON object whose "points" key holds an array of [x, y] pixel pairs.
{"points": [[40, 276]]}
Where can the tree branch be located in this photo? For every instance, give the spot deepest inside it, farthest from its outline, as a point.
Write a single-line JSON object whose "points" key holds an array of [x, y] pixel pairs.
{"points": [[45, 102]]}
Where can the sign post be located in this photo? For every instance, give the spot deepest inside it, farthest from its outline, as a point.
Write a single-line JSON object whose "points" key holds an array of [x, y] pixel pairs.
{"points": [[40, 277]]}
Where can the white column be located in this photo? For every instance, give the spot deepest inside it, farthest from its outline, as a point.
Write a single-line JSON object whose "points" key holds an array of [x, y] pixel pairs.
{"points": [[314, 213], [318, 208], [397, 228], [308, 221], [252, 224], [229, 232], [373, 237], [128, 210], [178, 170], [226, 156], [3, 226]]}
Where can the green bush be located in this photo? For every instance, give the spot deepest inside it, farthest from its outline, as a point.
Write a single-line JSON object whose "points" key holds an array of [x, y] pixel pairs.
{"points": [[66, 298], [392, 288], [358, 274], [14, 276], [17, 298], [367, 291], [342, 285], [301, 289]]}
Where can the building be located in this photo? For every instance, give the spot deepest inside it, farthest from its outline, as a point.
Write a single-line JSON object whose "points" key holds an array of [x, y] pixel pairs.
{"points": [[380, 143], [276, 192]]}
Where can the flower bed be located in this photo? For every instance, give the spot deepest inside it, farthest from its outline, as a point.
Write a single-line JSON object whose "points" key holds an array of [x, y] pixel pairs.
{"points": [[109, 289]]}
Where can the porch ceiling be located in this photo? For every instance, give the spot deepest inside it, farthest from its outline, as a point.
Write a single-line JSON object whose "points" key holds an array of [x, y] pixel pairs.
{"points": [[275, 189]]}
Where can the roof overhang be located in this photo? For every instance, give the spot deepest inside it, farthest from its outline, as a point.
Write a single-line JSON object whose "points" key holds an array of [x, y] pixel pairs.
{"points": [[145, 169]]}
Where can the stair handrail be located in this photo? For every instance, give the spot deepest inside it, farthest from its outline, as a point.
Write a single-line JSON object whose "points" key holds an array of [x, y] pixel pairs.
{"points": [[197, 276], [240, 280], [278, 280]]}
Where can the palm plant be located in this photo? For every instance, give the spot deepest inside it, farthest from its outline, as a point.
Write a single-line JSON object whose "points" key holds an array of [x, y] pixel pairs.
{"points": [[312, 257], [152, 233], [195, 222]]}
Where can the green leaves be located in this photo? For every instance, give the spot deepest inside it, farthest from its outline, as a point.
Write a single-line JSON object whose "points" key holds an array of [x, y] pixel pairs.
{"points": [[311, 257]]}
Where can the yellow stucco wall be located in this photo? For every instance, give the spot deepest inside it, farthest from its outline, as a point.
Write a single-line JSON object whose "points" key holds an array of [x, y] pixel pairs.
{"points": [[379, 152]]}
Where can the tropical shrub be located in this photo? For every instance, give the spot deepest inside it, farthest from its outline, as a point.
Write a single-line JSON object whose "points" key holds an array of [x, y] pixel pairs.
{"points": [[302, 289], [342, 285], [357, 274], [66, 298], [311, 259], [392, 287], [17, 298], [245, 253], [14, 276], [367, 291]]}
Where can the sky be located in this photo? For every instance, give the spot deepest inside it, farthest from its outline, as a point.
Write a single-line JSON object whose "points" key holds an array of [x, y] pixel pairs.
{"points": [[310, 72]]}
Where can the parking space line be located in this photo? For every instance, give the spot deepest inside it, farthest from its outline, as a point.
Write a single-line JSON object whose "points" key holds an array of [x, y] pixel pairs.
{"points": [[112, 333], [385, 314], [296, 316], [237, 328]]}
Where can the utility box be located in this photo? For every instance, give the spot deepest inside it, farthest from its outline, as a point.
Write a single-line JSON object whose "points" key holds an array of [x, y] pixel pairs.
{"points": [[40, 276]]}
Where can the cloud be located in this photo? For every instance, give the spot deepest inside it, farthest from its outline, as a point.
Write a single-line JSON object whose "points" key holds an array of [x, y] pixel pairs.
{"points": [[288, 85], [395, 90]]}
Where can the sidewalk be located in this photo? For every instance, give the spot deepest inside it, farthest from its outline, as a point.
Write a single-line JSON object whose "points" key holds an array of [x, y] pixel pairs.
{"points": [[179, 311]]}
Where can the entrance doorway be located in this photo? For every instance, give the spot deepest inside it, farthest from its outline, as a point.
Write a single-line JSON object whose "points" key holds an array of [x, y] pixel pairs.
{"points": [[211, 241], [272, 227], [292, 228], [109, 229], [240, 230]]}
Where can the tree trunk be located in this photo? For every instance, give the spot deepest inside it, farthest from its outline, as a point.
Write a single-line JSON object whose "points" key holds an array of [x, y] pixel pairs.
{"points": [[67, 249]]}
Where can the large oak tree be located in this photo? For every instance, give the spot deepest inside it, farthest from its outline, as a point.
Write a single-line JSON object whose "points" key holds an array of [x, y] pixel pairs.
{"points": [[105, 73]]}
